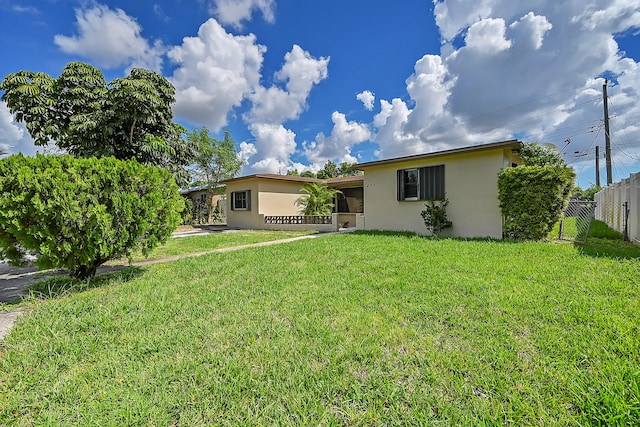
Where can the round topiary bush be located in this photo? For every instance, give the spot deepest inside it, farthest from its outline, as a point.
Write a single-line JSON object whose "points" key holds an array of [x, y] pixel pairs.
{"points": [[78, 213]]}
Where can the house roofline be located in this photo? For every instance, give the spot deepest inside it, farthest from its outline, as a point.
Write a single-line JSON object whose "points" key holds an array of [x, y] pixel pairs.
{"points": [[295, 178], [512, 143], [198, 188]]}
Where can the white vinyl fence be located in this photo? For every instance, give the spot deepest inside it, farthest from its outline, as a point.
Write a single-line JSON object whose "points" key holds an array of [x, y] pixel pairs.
{"points": [[618, 205]]}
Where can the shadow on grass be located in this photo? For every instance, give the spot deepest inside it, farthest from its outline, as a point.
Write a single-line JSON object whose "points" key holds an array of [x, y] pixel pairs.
{"points": [[60, 286], [610, 245], [411, 234], [604, 242], [608, 248]]}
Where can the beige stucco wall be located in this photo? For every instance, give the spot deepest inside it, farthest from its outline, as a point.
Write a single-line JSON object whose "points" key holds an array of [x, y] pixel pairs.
{"points": [[471, 185], [239, 218], [268, 197], [279, 197]]}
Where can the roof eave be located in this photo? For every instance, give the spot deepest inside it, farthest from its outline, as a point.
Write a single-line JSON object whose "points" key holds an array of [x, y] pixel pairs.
{"points": [[512, 143]]}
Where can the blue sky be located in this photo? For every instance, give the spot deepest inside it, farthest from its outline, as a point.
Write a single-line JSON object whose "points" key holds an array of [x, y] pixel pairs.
{"points": [[301, 82]]}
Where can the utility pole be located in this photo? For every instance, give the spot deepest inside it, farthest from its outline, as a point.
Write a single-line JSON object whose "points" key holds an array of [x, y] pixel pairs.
{"points": [[607, 135], [598, 165]]}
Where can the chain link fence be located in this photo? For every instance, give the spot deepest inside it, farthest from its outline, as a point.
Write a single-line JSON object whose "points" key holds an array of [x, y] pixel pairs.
{"points": [[576, 221]]}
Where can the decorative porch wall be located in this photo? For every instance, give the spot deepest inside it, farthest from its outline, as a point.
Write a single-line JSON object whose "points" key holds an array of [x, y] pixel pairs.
{"points": [[611, 204], [323, 224]]}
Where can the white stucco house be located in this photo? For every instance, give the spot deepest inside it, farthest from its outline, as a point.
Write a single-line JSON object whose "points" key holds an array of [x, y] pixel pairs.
{"points": [[395, 190], [268, 201], [391, 193]]}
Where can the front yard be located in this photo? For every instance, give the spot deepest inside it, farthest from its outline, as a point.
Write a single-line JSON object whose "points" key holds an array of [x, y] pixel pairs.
{"points": [[347, 329]]}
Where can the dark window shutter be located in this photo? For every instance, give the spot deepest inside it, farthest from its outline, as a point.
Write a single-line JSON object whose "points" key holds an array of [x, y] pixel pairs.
{"points": [[432, 183], [248, 196], [438, 180], [400, 180], [423, 191], [233, 201]]}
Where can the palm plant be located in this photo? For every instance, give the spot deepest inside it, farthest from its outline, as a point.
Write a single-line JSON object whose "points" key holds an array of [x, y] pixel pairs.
{"points": [[317, 199]]}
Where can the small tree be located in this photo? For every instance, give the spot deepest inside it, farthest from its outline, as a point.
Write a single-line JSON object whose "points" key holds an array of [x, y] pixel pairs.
{"points": [[79, 213], [216, 161], [435, 216], [293, 172], [534, 154], [330, 170], [588, 194], [318, 199]]}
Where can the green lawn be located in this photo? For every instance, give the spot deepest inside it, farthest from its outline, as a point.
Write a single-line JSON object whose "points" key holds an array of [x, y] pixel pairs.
{"points": [[219, 240], [347, 329]]}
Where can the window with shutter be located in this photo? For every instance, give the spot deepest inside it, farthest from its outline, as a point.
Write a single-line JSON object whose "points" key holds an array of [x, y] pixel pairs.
{"points": [[426, 183]]}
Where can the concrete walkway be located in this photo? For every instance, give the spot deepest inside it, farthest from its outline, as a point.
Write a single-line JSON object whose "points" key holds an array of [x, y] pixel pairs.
{"points": [[15, 281]]}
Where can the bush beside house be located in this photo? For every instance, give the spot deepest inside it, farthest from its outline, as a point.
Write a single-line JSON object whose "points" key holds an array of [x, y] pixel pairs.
{"points": [[533, 196]]}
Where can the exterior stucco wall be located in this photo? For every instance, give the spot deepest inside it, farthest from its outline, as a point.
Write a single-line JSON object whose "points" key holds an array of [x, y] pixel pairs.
{"points": [[471, 185], [268, 197], [241, 218], [279, 197]]}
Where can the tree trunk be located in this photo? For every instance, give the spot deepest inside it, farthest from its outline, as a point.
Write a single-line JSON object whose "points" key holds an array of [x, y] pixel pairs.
{"points": [[86, 272]]}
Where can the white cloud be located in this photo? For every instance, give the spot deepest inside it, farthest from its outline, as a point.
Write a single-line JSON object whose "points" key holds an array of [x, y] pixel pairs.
{"points": [[487, 36], [233, 12], [616, 16], [216, 72], [111, 39], [25, 9], [274, 144], [271, 107], [159, 12], [246, 151], [367, 98], [338, 145], [14, 137], [516, 74], [300, 73], [534, 26]]}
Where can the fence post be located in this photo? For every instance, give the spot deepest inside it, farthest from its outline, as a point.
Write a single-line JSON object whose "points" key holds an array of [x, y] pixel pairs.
{"points": [[625, 213]]}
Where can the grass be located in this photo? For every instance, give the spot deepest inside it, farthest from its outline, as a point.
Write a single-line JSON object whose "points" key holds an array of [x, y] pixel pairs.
{"points": [[605, 242], [209, 242], [349, 329]]}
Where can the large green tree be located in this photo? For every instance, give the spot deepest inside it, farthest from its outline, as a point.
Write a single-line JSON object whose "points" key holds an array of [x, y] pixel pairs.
{"points": [[128, 118], [216, 160]]}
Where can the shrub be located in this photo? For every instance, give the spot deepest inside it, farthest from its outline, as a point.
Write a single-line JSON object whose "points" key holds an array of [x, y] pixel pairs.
{"points": [[79, 213], [534, 154], [317, 199], [435, 215], [532, 198]]}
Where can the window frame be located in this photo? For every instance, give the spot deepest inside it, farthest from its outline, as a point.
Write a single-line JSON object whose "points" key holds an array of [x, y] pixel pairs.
{"points": [[247, 200], [431, 183], [405, 184]]}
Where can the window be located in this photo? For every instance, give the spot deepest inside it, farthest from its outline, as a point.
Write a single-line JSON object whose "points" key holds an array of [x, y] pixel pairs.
{"points": [[411, 179], [241, 200], [425, 183]]}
